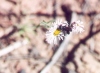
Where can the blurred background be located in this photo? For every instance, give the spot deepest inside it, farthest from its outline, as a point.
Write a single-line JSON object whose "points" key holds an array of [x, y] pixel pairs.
{"points": [[20, 20]]}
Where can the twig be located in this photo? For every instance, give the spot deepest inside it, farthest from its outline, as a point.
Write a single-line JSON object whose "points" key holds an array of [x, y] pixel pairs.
{"points": [[60, 49], [7, 32], [10, 48]]}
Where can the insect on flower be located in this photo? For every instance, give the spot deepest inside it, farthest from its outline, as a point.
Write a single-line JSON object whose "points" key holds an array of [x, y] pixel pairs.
{"points": [[56, 32]]}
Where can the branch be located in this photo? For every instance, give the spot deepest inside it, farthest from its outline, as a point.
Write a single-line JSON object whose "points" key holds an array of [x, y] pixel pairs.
{"points": [[10, 48]]}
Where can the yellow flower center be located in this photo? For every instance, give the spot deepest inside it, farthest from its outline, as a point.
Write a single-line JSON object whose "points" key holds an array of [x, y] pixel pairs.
{"points": [[56, 32], [77, 24]]}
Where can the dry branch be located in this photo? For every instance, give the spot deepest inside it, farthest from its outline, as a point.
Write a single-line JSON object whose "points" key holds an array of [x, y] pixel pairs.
{"points": [[10, 48]]}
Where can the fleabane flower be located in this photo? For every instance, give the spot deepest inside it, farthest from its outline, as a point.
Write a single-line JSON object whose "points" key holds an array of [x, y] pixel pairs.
{"points": [[77, 26], [54, 34]]}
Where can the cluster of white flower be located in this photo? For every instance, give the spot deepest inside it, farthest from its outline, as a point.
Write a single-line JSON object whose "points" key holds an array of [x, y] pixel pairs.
{"points": [[58, 30]]}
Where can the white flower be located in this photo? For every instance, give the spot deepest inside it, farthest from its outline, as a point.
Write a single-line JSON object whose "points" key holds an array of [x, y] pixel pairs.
{"points": [[53, 35], [78, 27]]}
